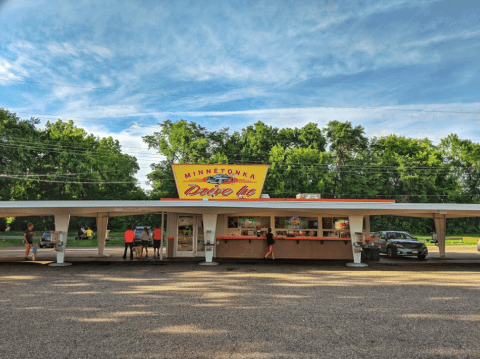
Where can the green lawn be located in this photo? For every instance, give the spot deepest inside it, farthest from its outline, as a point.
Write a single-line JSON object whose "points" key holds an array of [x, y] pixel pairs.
{"points": [[70, 242], [467, 239]]}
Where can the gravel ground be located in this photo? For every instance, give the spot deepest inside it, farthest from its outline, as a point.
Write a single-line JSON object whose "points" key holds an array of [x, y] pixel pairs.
{"points": [[239, 310]]}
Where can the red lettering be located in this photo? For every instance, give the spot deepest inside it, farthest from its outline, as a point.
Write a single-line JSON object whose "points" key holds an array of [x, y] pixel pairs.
{"points": [[203, 192], [193, 190], [222, 169], [241, 191], [237, 172], [187, 175], [209, 171], [245, 174], [210, 191], [230, 171], [250, 192], [193, 173], [227, 191], [215, 170], [252, 177], [200, 172]]}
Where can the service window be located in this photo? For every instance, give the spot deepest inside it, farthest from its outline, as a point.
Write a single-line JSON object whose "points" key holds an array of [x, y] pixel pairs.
{"points": [[248, 226], [294, 226]]}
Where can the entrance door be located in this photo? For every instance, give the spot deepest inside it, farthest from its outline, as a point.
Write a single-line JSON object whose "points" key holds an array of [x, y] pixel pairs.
{"points": [[190, 238]]}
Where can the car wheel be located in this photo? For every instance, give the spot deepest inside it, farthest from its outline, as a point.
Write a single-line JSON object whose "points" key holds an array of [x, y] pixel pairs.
{"points": [[422, 257], [390, 252]]}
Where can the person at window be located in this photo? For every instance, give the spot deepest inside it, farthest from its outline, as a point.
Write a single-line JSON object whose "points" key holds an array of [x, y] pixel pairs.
{"points": [[157, 237], [145, 236], [28, 239], [129, 236], [270, 243]]}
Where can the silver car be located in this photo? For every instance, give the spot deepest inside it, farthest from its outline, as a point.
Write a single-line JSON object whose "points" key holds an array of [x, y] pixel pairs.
{"points": [[398, 243]]}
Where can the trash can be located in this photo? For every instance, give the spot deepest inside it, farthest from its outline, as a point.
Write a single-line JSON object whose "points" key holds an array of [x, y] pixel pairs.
{"points": [[366, 253], [375, 253]]}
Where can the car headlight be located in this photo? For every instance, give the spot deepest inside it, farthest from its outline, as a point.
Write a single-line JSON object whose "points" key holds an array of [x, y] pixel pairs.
{"points": [[397, 245]]}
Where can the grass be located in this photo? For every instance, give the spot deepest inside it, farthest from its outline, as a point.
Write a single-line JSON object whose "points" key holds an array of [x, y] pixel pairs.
{"points": [[18, 242], [467, 239]]}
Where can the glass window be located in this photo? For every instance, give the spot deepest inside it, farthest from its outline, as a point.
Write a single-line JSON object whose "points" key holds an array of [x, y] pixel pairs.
{"points": [[249, 222], [294, 222]]}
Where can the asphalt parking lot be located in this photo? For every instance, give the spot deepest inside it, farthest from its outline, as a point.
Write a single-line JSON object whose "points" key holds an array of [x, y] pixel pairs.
{"points": [[150, 309]]}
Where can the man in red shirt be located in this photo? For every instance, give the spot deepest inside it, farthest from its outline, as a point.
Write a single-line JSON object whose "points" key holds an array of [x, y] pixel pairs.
{"points": [[157, 237], [129, 237]]}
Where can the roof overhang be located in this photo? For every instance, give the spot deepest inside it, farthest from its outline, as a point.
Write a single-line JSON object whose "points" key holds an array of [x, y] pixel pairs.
{"points": [[337, 208]]}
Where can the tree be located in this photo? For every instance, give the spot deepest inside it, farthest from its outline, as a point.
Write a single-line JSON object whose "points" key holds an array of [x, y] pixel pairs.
{"points": [[62, 162]]}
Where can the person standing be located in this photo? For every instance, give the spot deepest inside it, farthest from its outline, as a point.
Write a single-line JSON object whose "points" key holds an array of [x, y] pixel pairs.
{"points": [[157, 238], [270, 243], [129, 237], [145, 236], [28, 239]]}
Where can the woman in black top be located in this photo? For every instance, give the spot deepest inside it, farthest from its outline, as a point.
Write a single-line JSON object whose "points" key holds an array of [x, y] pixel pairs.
{"points": [[28, 239], [270, 243]]}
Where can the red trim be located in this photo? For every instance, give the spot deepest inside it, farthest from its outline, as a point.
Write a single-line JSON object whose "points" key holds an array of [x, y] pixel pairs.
{"points": [[371, 239], [294, 238], [170, 237], [282, 200]]}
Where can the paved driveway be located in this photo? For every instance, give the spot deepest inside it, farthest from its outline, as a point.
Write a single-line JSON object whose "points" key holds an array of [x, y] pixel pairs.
{"points": [[391, 309]]}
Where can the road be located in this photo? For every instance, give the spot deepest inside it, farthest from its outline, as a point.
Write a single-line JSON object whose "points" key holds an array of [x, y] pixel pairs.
{"points": [[152, 309]]}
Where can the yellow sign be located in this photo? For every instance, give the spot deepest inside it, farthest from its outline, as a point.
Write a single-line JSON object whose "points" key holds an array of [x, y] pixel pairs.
{"points": [[219, 181]]}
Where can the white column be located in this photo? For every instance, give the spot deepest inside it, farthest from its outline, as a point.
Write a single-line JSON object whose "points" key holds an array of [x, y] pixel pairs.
{"points": [[161, 236], [102, 223], [61, 225], [356, 228], [209, 229], [440, 226], [367, 227]]}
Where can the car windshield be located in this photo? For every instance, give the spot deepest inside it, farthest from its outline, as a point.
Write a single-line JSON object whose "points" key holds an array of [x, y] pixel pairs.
{"points": [[399, 235]]}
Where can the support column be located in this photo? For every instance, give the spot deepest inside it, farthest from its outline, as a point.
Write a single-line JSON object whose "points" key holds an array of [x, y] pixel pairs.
{"points": [[440, 226], [356, 230], [102, 223], [161, 236], [61, 225], [367, 227], [209, 229]]}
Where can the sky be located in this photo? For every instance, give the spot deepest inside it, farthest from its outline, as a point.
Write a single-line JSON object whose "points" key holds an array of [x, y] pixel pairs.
{"points": [[119, 68]]}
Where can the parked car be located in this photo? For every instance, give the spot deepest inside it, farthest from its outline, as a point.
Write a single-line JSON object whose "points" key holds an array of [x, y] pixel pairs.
{"points": [[46, 240], [218, 179], [138, 232], [399, 243]]}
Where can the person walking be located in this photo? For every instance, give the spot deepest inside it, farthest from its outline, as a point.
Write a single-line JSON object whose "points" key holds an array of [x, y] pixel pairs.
{"points": [[28, 239], [157, 238], [129, 237], [270, 243], [145, 236]]}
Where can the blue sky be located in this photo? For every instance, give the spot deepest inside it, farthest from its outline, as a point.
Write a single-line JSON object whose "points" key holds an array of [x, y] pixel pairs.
{"points": [[118, 68]]}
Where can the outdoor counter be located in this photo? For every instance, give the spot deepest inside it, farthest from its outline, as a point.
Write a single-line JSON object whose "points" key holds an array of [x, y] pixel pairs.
{"points": [[285, 247]]}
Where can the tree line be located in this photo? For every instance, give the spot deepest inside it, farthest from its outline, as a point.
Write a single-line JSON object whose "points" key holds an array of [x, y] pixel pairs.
{"points": [[63, 162]]}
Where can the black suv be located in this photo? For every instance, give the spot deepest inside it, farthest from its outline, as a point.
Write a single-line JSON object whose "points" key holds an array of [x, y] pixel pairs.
{"points": [[398, 243]]}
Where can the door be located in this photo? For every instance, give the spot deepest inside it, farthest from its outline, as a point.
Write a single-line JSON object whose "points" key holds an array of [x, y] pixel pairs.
{"points": [[190, 237]]}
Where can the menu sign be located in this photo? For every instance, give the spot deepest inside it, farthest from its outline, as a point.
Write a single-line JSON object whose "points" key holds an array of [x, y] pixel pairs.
{"points": [[219, 181]]}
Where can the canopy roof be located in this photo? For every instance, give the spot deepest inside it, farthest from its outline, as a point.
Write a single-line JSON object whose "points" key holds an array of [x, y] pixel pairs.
{"points": [[277, 206]]}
